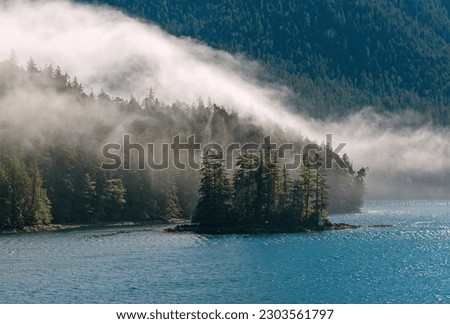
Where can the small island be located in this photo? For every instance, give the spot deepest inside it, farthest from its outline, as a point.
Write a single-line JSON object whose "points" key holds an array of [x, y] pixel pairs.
{"points": [[250, 229], [261, 197]]}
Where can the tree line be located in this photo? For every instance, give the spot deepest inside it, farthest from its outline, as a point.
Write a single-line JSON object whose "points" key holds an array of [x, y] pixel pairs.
{"points": [[261, 193], [50, 164]]}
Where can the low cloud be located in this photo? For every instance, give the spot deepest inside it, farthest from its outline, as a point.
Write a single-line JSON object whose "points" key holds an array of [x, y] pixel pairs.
{"points": [[106, 49]]}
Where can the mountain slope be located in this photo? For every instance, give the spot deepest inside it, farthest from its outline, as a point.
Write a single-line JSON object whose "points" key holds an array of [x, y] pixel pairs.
{"points": [[337, 55]]}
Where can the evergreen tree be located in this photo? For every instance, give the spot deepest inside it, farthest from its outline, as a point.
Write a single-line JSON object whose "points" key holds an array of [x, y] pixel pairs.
{"points": [[31, 66], [149, 101], [285, 202], [213, 205], [173, 209], [12, 59], [115, 199], [60, 181], [103, 97], [87, 204], [18, 196], [110, 196], [4, 203], [267, 188], [39, 211], [78, 87], [306, 183], [143, 201], [358, 188], [298, 202], [49, 72], [319, 215], [23, 200], [244, 190]]}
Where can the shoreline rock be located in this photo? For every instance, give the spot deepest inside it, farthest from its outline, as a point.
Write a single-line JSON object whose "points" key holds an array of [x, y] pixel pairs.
{"points": [[182, 227], [199, 229], [70, 227]]}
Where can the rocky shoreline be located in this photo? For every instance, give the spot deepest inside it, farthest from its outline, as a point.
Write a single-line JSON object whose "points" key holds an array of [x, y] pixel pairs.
{"points": [[63, 227], [202, 229], [182, 227]]}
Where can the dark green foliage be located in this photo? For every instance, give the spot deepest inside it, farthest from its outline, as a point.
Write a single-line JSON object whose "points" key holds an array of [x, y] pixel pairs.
{"points": [[244, 191], [4, 215], [297, 208], [286, 197], [267, 187], [40, 206], [110, 197], [142, 203], [338, 56], [320, 197], [18, 194], [173, 209], [23, 200], [87, 199], [53, 173], [262, 195], [214, 202], [58, 166], [306, 187]]}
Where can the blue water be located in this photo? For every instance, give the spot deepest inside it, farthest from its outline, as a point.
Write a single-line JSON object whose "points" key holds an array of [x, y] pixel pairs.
{"points": [[408, 263]]}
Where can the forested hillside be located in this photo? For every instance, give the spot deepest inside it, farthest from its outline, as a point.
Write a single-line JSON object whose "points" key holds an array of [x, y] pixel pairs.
{"points": [[51, 140], [337, 55]]}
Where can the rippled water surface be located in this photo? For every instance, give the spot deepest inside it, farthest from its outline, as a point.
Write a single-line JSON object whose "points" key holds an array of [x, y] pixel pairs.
{"points": [[407, 263]]}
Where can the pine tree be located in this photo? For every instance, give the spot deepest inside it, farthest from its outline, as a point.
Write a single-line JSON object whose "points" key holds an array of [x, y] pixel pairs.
{"points": [[87, 203], [61, 183], [149, 101], [244, 191], [323, 194], [358, 188], [4, 203], [12, 59], [267, 188], [141, 197], [173, 209], [78, 87], [214, 202], [49, 72], [31, 66], [110, 196], [285, 200], [306, 183], [18, 192], [61, 80], [39, 211], [297, 202], [271, 185], [319, 216], [23, 200], [115, 199], [103, 97]]}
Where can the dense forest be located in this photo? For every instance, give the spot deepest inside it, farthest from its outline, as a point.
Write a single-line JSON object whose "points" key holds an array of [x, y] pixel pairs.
{"points": [[336, 55], [51, 138], [262, 195]]}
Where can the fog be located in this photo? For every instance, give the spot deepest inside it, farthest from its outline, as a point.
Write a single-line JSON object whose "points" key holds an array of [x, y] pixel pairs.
{"points": [[106, 49]]}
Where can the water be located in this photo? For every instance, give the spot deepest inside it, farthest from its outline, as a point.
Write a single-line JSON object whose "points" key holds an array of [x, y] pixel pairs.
{"points": [[408, 263]]}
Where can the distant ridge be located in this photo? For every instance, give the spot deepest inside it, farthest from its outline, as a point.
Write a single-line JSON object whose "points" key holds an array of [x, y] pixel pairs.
{"points": [[337, 55]]}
